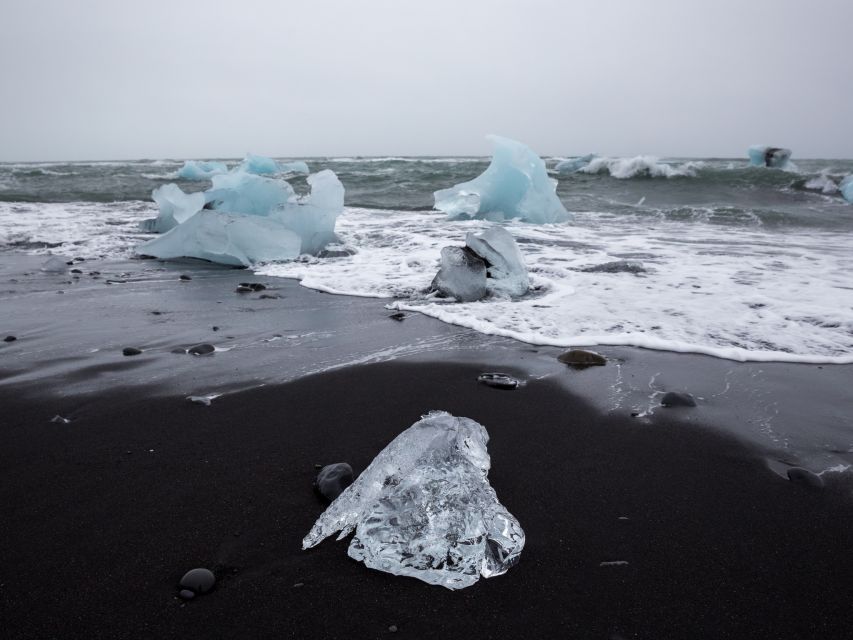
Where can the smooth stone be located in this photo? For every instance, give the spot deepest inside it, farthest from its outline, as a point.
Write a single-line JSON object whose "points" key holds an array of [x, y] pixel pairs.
{"points": [[805, 477], [242, 289], [399, 316], [498, 381], [76, 271], [201, 349], [198, 580], [619, 266], [676, 399], [254, 286], [10, 339], [268, 296], [215, 328], [582, 358], [186, 594], [131, 351], [333, 479], [185, 277]]}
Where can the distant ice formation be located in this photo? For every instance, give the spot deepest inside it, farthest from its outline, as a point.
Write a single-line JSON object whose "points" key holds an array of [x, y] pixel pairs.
{"points": [[571, 165], [846, 188], [201, 169], [424, 508], [248, 219], [515, 185], [259, 165], [648, 166], [764, 156]]}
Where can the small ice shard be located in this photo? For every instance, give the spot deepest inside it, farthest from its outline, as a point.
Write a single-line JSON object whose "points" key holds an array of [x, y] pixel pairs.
{"points": [[175, 207], [60, 419], [462, 275], [846, 188], [515, 185], [259, 165], [297, 166], [201, 169], [55, 264], [504, 263], [498, 381], [571, 165], [424, 508], [764, 156]]}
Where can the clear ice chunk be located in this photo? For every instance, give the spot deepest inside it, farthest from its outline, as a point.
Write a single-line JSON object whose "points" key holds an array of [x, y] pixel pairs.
{"points": [[175, 207], [504, 263], [571, 165], [313, 216], [462, 275], [259, 165], [424, 508], [241, 192], [515, 185], [55, 264], [201, 169], [764, 156]]}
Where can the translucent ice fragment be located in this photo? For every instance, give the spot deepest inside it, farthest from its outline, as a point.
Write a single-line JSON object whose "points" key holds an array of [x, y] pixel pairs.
{"points": [[424, 508], [201, 169], [55, 264], [313, 216], [846, 188], [259, 165], [462, 275], [764, 156], [175, 207], [241, 192], [571, 165], [515, 185], [504, 263]]}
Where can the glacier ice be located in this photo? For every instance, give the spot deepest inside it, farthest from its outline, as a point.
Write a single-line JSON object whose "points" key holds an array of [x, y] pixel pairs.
{"points": [[201, 169], [424, 508], [462, 275], [515, 185], [504, 263], [259, 165], [297, 166], [571, 165], [249, 219], [764, 156], [175, 207], [846, 188]]}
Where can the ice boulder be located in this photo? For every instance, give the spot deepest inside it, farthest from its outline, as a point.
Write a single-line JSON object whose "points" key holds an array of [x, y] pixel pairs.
{"points": [[571, 165], [241, 192], [175, 207], [259, 165], [462, 275], [504, 264], [424, 508], [201, 170], [764, 156], [846, 188], [313, 216], [515, 185]]}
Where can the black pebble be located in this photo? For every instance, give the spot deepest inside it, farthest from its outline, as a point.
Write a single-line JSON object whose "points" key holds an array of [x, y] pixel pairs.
{"points": [[333, 479], [185, 277], [9, 339], [268, 296], [131, 351], [581, 358], [254, 286], [498, 381], [76, 271], [675, 399], [203, 349], [198, 581], [399, 316], [805, 477], [242, 289], [215, 328], [186, 594]]}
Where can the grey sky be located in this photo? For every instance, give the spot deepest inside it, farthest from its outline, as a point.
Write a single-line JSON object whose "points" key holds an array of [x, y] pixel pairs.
{"points": [[185, 78]]}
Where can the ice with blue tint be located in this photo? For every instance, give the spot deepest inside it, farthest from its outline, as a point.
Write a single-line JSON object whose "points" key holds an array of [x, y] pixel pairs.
{"points": [[175, 207], [764, 156], [259, 165], [296, 166], [424, 508], [504, 262], [250, 219], [571, 165], [515, 185], [846, 188], [201, 169]]}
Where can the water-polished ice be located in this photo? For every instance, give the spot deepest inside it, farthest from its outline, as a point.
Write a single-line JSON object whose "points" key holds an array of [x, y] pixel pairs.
{"points": [[424, 508], [241, 192], [201, 169], [515, 185], [175, 207], [504, 263], [259, 165], [462, 275]]}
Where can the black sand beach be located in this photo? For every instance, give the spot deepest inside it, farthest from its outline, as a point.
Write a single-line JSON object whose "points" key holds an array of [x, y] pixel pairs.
{"points": [[102, 515]]}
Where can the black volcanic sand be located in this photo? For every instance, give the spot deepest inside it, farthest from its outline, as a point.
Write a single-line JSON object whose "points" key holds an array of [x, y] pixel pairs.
{"points": [[103, 515]]}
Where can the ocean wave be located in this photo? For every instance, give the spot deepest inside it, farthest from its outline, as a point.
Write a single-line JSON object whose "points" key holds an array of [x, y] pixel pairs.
{"points": [[641, 166]]}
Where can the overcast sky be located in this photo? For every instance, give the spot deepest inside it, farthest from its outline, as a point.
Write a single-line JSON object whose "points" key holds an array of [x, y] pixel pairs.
{"points": [[193, 79]]}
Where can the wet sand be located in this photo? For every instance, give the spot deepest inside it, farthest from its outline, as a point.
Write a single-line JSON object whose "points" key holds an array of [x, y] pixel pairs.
{"points": [[103, 514]]}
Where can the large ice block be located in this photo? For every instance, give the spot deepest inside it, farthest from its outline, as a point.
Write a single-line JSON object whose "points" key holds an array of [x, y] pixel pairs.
{"points": [[313, 216], [241, 192], [201, 169], [424, 508], [764, 156], [462, 275], [259, 165], [504, 263], [515, 185], [175, 207]]}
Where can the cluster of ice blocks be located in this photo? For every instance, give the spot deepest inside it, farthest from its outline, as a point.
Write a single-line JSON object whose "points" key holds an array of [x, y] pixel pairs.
{"points": [[258, 165], [424, 508]]}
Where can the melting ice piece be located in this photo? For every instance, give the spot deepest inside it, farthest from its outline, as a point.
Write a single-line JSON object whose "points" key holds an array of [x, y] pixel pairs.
{"points": [[175, 207], [259, 165], [846, 188], [571, 165], [313, 216], [764, 156], [424, 508], [515, 185], [504, 263], [241, 192], [462, 275], [55, 264], [201, 169]]}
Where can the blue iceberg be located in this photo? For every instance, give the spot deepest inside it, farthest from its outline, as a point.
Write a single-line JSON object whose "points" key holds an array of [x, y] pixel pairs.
{"points": [[175, 207], [259, 165], [515, 185], [764, 156], [249, 219], [201, 170], [571, 165], [846, 188]]}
